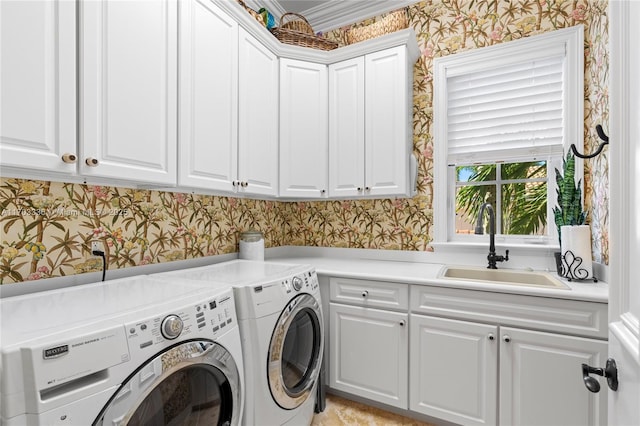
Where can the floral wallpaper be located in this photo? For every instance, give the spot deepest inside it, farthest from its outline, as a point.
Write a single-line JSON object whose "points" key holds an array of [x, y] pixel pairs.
{"points": [[47, 226]]}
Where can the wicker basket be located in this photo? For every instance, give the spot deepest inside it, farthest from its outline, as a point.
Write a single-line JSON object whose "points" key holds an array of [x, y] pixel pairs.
{"points": [[299, 32], [394, 21]]}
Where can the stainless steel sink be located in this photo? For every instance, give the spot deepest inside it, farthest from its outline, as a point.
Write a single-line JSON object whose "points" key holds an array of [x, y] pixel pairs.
{"points": [[502, 276]]}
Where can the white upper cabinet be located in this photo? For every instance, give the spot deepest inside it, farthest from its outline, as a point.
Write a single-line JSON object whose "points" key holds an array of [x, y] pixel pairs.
{"points": [[258, 118], [303, 129], [388, 122], [346, 128], [208, 97], [38, 112], [128, 90], [370, 132]]}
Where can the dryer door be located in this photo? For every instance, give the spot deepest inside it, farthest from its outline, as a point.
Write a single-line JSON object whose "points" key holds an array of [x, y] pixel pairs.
{"points": [[295, 352], [195, 383]]}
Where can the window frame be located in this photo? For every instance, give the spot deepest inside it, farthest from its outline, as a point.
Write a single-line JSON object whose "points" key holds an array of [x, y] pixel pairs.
{"points": [[476, 60]]}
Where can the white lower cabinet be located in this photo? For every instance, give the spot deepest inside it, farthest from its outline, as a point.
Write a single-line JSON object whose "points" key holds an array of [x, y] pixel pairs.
{"points": [[541, 381], [454, 370], [369, 350], [463, 371], [464, 356]]}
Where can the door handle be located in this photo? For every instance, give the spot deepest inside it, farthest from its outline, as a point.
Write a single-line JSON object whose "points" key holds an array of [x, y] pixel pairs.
{"points": [[610, 371]]}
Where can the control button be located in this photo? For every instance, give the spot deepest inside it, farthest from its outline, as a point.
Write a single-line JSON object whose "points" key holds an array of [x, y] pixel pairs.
{"points": [[229, 321], [199, 314], [224, 324], [202, 324], [145, 344], [171, 327], [143, 327], [132, 330], [216, 328], [212, 305], [297, 283]]}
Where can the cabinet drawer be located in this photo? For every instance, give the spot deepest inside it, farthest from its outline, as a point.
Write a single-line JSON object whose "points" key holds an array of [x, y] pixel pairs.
{"points": [[369, 293], [541, 313]]}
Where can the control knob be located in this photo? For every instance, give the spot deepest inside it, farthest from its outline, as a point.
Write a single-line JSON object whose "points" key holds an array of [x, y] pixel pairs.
{"points": [[171, 327], [297, 283]]}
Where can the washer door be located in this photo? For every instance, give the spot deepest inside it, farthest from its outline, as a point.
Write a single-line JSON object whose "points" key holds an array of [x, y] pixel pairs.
{"points": [[194, 383], [295, 352]]}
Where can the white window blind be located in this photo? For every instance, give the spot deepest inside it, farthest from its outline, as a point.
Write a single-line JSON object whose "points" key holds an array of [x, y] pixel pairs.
{"points": [[508, 112]]}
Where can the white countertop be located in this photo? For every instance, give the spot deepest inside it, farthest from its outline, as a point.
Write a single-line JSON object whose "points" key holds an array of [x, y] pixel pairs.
{"points": [[427, 274]]}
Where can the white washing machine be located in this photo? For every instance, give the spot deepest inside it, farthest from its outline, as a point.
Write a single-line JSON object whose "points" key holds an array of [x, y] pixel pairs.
{"points": [[138, 351], [281, 325]]}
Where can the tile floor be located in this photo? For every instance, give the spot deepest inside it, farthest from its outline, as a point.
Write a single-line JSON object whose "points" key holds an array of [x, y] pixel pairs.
{"points": [[340, 411]]}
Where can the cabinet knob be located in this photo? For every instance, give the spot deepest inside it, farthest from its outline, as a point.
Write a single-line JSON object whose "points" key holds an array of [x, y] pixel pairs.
{"points": [[491, 336], [506, 338], [359, 189], [323, 191], [244, 184], [69, 158], [367, 188], [365, 293], [234, 183], [91, 162], [402, 323]]}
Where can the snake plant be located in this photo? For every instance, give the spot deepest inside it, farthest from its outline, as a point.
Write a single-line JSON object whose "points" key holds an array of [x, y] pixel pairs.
{"points": [[568, 211]]}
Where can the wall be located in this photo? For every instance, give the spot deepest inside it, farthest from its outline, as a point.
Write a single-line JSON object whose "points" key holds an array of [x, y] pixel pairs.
{"points": [[46, 226]]}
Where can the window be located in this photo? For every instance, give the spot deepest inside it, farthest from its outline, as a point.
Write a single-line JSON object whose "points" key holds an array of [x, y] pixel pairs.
{"points": [[503, 116]]}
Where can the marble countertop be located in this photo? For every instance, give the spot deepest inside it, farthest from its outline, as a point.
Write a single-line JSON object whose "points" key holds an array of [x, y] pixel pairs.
{"points": [[428, 274]]}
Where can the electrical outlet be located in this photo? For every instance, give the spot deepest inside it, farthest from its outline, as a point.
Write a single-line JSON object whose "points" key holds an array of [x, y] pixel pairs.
{"points": [[96, 246]]}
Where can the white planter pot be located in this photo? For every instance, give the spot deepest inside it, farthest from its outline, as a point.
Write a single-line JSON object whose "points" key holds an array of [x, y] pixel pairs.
{"points": [[575, 244]]}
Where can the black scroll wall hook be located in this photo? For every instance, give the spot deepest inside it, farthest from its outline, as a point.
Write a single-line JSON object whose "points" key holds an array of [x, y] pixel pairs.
{"points": [[605, 141]]}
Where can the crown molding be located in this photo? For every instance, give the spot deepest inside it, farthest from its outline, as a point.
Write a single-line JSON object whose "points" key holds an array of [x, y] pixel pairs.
{"points": [[335, 13]]}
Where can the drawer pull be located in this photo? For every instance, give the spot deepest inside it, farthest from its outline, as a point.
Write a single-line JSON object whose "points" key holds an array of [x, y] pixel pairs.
{"points": [[365, 293]]}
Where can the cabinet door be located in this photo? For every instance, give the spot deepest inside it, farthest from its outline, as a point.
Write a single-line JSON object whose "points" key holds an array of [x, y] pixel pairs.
{"points": [[303, 129], [346, 128], [541, 379], [258, 117], [369, 353], [454, 366], [38, 110], [208, 97], [128, 84], [388, 118]]}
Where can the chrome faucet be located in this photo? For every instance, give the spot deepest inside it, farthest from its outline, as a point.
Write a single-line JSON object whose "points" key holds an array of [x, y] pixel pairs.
{"points": [[492, 257]]}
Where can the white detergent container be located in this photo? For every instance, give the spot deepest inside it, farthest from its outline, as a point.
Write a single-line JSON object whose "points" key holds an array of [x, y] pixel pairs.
{"points": [[251, 245]]}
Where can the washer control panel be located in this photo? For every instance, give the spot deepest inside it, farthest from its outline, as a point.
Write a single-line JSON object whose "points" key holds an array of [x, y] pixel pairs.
{"points": [[206, 318]]}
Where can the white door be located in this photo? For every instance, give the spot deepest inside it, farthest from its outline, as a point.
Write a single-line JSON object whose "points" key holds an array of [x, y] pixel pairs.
{"points": [[454, 370], [128, 90], [208, 97], [303, 129], [388, 119], [38, 112], [369, 349], [541, 381], [346, 128], [257, 117], [624, 291]]}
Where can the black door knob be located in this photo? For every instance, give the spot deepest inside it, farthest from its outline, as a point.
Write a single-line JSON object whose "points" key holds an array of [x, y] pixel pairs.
{"points": [[610, 371]]}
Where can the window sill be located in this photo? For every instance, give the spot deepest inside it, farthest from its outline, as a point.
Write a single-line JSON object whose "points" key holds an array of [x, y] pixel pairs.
{"points": [[521, 255]]}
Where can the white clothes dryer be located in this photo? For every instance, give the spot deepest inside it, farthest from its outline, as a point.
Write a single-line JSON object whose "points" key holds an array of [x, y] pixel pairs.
{"points": [[138, 351], [282, 330]]}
